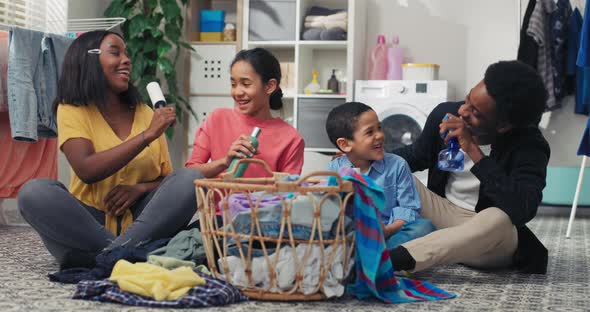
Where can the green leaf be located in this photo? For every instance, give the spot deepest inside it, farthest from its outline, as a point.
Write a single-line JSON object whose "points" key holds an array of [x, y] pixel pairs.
{"points": [[170, 132], [165, 65], [156, 20], [139, 64], [151, 4], [138, 24], [115, 9], [172, 32], [170, 9], [185, 45], [150, 46], [163, 48]]}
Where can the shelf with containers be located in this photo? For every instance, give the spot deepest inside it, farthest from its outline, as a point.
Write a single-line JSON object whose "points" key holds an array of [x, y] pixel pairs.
{"points": [[209, 75], [271, 24]]}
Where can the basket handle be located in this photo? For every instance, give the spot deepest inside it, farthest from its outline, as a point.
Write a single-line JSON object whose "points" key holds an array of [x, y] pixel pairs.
{"points": [[324, 173], [230, 174]]}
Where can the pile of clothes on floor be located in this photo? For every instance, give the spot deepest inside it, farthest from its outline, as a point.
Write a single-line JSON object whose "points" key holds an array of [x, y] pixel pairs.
{"points": [[162, 273], [325, 24]]}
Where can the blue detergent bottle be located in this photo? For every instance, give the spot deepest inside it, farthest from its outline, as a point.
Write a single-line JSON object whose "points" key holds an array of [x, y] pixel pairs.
{"points": [[243, 166], [451, 158]]}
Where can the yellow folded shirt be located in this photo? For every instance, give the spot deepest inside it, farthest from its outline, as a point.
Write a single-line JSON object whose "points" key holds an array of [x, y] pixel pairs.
{"points": [[153, 281]]}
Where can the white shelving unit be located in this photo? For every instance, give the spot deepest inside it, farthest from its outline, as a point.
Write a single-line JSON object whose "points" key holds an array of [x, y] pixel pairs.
{"points": [[306, 55]]}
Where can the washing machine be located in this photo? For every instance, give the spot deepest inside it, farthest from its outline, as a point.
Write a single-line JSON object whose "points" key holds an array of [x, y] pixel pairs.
{"points": [[402, 107]]}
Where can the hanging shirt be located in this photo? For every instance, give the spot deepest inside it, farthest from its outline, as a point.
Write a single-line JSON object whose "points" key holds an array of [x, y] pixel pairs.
{"points": [[87, 122], [528, 48], [559, 31], [584, 53], [23, 161], [539, 29], [280, 145], [462, 188], [3, 71]]}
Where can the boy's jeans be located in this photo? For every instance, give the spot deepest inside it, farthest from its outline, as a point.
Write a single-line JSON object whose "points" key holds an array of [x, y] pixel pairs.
{"points": [[410, 231]]}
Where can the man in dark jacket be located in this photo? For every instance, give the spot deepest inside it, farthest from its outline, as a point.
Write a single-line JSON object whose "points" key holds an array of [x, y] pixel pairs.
{"points": [[481, 212]]}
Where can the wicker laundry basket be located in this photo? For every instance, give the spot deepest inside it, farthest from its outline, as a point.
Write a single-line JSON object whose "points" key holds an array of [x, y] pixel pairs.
{"points": [[213, 193]]}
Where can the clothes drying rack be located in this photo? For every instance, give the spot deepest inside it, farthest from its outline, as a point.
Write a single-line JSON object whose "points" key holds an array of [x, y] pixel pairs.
{"points": [[576, 197], [78, 25]]}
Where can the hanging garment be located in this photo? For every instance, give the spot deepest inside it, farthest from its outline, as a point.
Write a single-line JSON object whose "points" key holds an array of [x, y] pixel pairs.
{"points": [[33, 71], [214, 293], [577, 75], [539, 29], [22, 161], [374, 271], [559, 31], [584, 52], [3, 71], [528, 49]]}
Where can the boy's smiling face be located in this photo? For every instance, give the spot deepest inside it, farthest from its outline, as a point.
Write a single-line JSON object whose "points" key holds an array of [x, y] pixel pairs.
{"points": [[367, 143]]}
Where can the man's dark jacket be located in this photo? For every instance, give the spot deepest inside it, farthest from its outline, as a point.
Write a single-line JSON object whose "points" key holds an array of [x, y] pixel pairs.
{"points": [[512, 178]]}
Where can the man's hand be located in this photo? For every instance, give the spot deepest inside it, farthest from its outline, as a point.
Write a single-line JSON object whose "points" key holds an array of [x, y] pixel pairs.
{"points": [[122, 197], [457, 128]]}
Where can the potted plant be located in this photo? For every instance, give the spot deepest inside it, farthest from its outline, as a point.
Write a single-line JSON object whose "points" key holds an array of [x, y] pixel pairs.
{"points": [[152, 30]]}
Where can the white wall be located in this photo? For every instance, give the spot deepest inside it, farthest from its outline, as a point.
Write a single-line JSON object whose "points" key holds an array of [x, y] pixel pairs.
{"points": [[463, 36]]}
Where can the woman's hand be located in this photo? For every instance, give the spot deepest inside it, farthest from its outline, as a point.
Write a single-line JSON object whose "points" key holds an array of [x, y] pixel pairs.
{"points": [[163, 118], [240, 148], [122, 197]]}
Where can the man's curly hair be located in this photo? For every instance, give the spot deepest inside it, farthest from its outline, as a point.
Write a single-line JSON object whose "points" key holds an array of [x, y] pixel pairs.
{"points": [[518, 91]]}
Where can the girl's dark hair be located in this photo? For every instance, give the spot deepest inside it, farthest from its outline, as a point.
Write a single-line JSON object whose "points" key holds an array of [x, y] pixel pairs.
{"points": [[82, 79], [267, 67]]}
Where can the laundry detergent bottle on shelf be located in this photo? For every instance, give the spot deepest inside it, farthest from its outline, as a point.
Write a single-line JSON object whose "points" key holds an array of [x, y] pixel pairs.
{"points": [[451, 158], [314, 86], [395, 59], [378, 60], [243, 166]]}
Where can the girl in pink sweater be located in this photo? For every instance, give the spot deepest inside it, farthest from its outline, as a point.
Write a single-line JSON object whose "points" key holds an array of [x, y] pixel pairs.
{"points": [[255, 80]]}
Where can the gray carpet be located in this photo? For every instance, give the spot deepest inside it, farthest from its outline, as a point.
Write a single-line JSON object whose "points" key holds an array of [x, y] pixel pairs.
{"points": [[25, 263]]}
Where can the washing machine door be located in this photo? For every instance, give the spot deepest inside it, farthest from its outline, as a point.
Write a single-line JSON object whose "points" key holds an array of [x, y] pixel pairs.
{"points": [[401, 123]]}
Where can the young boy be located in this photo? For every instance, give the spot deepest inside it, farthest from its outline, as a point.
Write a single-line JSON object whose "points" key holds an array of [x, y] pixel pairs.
{"points": [[355, 129]]}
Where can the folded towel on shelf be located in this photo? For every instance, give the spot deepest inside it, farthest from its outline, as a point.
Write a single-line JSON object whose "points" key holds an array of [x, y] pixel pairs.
{"points": [[331, 17], [324, 34], [328, 24]]}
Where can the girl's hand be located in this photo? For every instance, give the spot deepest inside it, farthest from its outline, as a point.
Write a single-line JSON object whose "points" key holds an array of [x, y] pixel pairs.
{"points": [[122, 197], [163, 118], [241, 147]]}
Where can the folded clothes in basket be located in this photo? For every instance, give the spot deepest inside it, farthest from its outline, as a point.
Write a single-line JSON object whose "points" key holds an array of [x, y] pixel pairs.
{"points": [[270, 211], [285, 270]]}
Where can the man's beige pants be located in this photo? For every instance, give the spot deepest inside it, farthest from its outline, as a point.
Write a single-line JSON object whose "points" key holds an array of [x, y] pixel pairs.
{"points": [[485, 240]]}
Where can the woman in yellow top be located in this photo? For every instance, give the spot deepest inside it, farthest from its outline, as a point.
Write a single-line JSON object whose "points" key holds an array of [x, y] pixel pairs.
{"points": [[122, 189]]}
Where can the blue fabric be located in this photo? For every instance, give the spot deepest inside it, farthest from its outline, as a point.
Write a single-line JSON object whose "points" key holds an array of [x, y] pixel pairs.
{"points": [[105, 262], [410, 231], [581, 74], [559, 21], [393, 174], [214, 293], [374, 271], [583, 53], [584, 148], [34, 62]]}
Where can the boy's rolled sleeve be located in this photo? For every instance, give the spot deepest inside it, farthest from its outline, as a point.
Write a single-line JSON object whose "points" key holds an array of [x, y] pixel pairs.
{"points": [[408, 200]]}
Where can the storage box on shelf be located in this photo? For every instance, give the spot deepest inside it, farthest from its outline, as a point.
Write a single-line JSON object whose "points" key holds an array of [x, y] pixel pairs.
{"points": [[207, 19], [271, 20]]}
